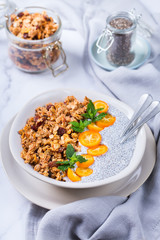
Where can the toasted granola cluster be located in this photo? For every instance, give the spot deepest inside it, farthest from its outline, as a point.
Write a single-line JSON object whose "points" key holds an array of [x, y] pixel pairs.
{"points": [[45, 136], [32, 26], [32, 61]]}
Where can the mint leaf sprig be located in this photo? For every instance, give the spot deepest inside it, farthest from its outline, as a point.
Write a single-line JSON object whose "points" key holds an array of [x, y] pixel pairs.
{"points": [[72, 159], [89, 116], [80, 126], [91, 112]]}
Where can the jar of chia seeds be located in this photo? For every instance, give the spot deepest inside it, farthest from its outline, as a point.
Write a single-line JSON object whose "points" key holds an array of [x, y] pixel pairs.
{"points": [[118, 38]]}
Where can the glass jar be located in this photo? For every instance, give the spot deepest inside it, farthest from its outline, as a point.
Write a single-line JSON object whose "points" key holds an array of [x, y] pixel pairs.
{"points": [[118, 38], [37, 55]]}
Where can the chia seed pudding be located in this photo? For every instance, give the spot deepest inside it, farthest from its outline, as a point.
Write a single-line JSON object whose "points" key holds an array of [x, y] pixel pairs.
{"points": [[118, 156], [120, 52]]}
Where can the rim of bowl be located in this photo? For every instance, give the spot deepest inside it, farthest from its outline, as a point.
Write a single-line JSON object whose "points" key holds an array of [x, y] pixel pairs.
{"points": [[122, 174]]}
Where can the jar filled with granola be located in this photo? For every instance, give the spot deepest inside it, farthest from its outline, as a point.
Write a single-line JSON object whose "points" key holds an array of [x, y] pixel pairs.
{"points": [[34, 40]]}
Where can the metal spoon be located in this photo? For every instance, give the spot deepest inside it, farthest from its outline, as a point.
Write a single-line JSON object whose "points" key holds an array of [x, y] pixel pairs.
{"points": [[152, 110], [143, 103]]}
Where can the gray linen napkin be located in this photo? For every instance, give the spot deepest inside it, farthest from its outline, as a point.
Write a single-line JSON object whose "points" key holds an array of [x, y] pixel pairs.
{"points": [[111, 218]]}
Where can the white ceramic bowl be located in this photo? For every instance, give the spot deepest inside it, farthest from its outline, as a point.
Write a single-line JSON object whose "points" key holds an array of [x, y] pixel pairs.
{"points": [[57, 95]]}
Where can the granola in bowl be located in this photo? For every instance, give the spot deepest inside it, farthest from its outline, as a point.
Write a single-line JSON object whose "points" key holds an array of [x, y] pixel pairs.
{"points": [[45, 136]]}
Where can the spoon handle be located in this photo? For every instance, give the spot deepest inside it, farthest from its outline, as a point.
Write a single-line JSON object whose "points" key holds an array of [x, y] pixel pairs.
{"points": [[144, 101], [152, 110]]}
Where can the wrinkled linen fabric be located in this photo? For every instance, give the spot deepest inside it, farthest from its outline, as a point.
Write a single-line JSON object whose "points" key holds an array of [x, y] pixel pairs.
{"points": [[136, 217]]}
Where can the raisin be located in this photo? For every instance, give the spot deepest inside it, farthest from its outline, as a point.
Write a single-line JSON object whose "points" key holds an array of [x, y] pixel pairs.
{"points": [[36, 118], [21, 60], [34, 127], [39, 124], [49, 106], [49, 174], [61, 131], [53, 164], [25, 35], [47, 18], [20, 14]]}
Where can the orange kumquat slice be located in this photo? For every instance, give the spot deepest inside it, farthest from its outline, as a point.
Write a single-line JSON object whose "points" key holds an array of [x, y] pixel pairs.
{"points": [[101, 104], [72, 175], [98, 150], [90, 138], [107, 121], [84, 172], [89, 162], [93, 127]]}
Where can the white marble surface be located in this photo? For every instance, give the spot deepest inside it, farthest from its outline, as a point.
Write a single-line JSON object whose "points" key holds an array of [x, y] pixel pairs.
{"points": [[16, 88]]}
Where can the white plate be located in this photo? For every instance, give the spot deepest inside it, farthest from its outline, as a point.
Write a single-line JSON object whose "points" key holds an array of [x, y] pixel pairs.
{"points": [[49, 196], [59, 95], [142, 51]]}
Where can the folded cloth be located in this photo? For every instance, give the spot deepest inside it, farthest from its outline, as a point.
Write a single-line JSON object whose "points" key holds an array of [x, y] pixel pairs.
{"points": [[79, 220], [110, 218]]}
